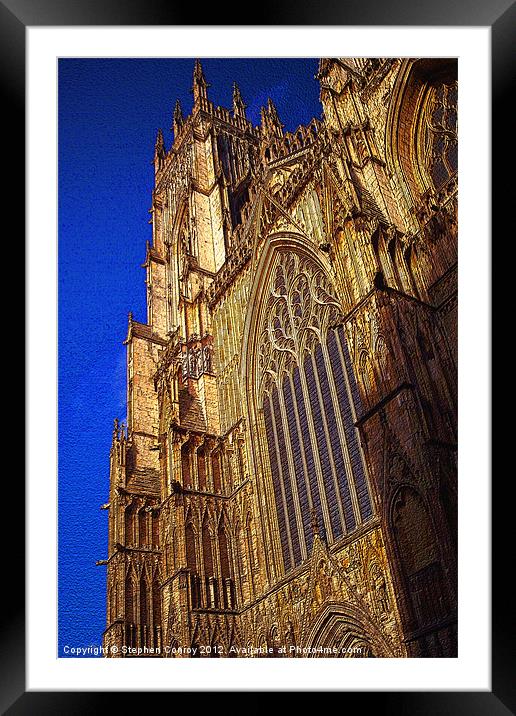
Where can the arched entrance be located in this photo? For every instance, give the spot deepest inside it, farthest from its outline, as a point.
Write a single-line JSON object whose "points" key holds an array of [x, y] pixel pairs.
{"points": [[341, 631]]}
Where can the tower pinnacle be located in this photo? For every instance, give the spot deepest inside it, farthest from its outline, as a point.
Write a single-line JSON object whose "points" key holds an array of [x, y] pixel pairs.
{"points": [[178, 118], [200, 86], [159, 150], [271, 125], [238, 103]]}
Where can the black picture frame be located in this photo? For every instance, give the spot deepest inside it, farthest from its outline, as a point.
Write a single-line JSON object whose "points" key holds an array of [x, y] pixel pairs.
{"points": [[15, 17]]}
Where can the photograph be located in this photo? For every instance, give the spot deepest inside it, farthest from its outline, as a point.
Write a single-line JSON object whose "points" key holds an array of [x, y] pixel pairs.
{"points": [[258, 357]]}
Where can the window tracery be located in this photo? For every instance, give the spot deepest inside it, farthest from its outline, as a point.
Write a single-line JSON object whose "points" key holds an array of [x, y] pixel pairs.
{"points": [[440, 141], [309, 401]]}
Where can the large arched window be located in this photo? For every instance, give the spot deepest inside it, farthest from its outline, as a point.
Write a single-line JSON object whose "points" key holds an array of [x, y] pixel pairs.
{"points": [[422, 140], [310, 402]]}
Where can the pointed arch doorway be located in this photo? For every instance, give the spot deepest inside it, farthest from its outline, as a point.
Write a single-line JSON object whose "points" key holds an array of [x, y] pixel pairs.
{"points": [[340, 631]]}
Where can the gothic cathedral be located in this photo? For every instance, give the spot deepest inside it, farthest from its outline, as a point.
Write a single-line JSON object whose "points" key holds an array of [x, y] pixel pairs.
{"points": [[286, 483]]}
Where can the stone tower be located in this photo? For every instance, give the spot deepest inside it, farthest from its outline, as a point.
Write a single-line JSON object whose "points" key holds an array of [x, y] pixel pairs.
{"points": [[286, 481]]}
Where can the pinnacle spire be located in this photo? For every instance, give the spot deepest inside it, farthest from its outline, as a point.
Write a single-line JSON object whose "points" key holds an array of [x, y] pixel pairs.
{"points": [[271, 125], [178, 118], [199, 73], [160, 142], [273, 112], [238, 103], [159, 150], [200, 86]]}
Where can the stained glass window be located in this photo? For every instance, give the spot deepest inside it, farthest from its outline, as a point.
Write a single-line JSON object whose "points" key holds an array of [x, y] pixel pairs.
{"points": [[310, 407]]}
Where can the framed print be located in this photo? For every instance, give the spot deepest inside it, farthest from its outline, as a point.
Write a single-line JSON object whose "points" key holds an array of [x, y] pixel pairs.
{"points": [[280, 479]]}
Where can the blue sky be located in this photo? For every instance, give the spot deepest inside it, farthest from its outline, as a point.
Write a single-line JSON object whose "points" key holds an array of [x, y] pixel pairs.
{"points": [[109, 113]]}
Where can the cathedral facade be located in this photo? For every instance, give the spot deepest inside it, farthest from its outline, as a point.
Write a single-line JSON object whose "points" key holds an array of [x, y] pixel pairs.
{"points": [[286, 482]]}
